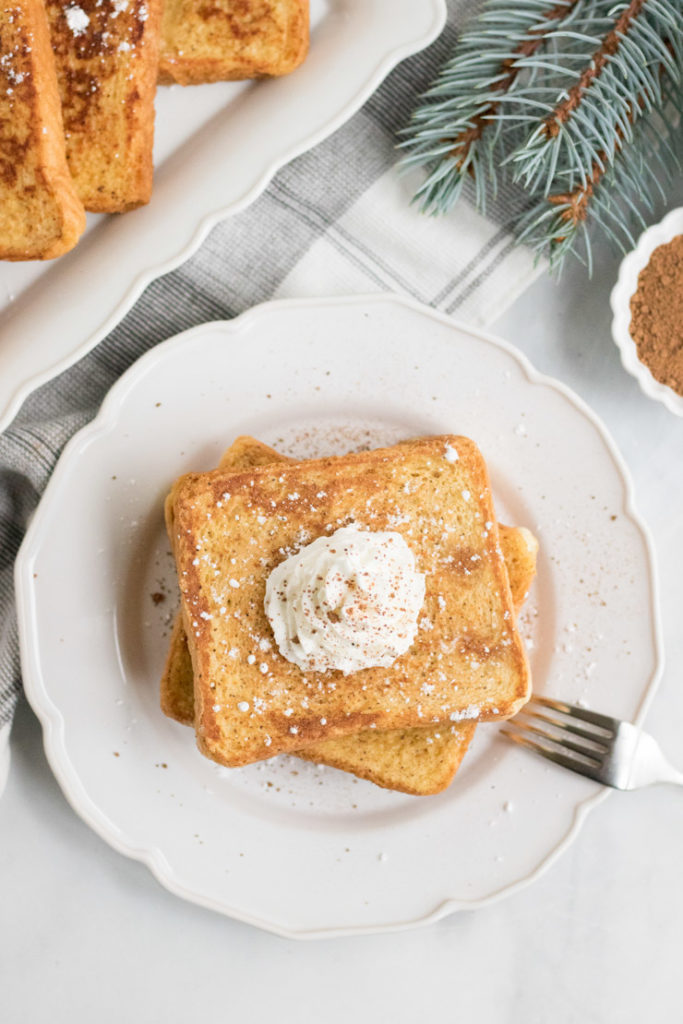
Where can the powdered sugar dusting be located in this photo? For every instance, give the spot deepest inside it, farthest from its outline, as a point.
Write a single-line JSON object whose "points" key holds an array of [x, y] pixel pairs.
{"points": [[76, 19], [472, 711]]}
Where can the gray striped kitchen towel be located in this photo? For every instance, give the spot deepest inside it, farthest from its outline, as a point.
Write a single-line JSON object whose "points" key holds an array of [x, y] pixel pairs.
{"points": [[337, 220]]}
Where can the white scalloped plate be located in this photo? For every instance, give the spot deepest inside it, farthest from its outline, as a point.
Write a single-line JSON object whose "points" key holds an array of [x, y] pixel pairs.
{"points": [[216, 149], [295, 849], [620, 301]]}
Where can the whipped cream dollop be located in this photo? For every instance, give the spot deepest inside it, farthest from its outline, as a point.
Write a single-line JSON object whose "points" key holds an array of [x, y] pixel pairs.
{"points": [[348, 601]]}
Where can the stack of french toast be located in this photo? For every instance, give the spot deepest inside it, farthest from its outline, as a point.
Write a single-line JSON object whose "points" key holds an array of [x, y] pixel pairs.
{"points": [[77, 85], [357, 611]]}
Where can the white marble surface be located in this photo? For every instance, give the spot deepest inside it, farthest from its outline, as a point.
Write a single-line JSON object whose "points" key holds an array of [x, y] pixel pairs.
{"points": [[87, 935]]}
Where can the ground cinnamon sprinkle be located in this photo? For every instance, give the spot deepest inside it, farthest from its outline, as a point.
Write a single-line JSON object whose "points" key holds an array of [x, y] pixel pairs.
{"points": [[657, 314]]}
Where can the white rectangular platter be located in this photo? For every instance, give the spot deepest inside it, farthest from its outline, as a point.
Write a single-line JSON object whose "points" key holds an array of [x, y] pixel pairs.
{"points": [[216, 149]]}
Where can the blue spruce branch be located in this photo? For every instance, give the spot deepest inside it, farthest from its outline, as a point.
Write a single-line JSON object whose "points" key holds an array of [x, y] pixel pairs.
{"points": [[575, 100]]}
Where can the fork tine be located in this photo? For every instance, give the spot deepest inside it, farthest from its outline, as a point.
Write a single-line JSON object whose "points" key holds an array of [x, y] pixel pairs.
{"points": [[572, 763], [564, 725], [587, 746], [602, 721]]}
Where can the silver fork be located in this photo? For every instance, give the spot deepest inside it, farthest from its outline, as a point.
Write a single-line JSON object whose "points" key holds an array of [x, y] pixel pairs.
{"points": [[612, 752]]}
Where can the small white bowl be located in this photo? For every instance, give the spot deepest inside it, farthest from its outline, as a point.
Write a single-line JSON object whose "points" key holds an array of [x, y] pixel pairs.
{"points": [[620, 301]]}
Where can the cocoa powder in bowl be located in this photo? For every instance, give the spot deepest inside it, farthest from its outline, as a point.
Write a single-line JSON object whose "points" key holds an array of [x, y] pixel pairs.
{"points": [[657, 314]]}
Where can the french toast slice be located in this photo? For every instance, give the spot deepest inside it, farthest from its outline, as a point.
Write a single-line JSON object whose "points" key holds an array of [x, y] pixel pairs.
{"points": [[228, 40], [420, 761], [41, 216], [230, 529], [107, 55]]}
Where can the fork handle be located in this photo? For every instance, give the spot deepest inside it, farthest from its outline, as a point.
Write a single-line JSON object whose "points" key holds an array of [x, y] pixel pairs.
{"points": [[654, 766], [670, 774]]}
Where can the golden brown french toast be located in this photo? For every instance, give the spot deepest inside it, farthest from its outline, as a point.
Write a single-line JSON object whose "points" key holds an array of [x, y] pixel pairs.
{"points": [[227, 40], [40, 214], [229, 530], [419, 761], [107, 55]]}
